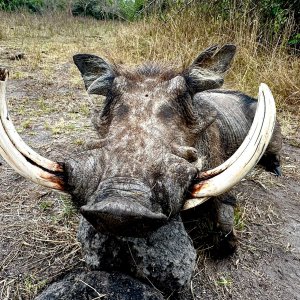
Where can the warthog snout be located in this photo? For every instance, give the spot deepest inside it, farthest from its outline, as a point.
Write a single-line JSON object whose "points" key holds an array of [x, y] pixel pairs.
{"points": [[124, 206], [131, 207]]}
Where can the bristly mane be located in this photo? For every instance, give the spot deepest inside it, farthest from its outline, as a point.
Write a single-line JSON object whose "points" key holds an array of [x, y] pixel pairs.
{"points": [[148, 70]]}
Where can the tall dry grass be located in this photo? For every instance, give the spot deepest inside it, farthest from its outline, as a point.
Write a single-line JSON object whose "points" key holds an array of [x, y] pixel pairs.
{"points": [[177, 37], [182, 36]]}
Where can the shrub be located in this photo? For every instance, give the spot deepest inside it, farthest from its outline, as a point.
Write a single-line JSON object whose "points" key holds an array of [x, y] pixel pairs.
{"points": [[32, 5], [108, 9], [93, 8]]}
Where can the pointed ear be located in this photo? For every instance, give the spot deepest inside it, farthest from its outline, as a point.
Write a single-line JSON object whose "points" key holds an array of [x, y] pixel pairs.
{"points": [[208, 69], [97, 74]]}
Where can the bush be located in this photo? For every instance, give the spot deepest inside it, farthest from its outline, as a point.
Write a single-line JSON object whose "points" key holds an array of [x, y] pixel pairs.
{"points": [[98, 9], [274, 16], [108, 9], [32, 5], [130, 10]]}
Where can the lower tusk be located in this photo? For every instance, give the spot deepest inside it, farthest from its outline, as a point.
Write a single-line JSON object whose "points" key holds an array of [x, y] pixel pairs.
{"points": [[26, 164], [19, 163], [237, 168], [190, 203]]}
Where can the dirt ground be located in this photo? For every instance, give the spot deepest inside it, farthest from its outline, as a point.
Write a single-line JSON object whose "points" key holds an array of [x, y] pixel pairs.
{"points": [[267, 263], [38, 226]]}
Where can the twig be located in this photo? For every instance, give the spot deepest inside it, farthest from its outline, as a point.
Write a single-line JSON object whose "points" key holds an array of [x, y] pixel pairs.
{"points": [[99, 295]]}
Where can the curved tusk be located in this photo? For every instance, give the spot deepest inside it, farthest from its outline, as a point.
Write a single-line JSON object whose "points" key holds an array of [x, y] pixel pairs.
{"points": [[244, 159], [17, 140], [19, 156]]}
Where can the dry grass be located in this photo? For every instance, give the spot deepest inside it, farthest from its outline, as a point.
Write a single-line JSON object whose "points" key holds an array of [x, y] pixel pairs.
{"points": [[51, 111], [51, 40], [38, 237]]}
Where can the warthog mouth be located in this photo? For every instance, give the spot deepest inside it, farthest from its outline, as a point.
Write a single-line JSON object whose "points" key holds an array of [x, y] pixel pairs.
{"points": [[122, 217]]}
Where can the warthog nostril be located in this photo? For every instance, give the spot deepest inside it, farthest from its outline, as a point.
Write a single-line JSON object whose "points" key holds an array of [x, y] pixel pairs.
{"points": [[188, 153], [122, 216]]}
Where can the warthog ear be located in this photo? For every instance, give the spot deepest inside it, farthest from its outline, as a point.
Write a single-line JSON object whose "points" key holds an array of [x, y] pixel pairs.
{"points": [[97, 74], [207, 70]]}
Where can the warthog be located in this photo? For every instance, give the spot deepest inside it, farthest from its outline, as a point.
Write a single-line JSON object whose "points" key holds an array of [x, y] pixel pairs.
{"points": [[168, 140]]}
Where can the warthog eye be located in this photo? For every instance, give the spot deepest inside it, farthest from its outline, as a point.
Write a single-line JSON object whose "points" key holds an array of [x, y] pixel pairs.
{"points": [[122, 111], [166, 112]]}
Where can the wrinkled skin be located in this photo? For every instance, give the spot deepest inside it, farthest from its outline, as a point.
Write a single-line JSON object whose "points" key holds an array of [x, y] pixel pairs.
{"points": [[235, 113], [166, 257]]}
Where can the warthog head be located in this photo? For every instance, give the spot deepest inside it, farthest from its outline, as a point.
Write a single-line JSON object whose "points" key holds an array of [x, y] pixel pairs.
{"points": [[146, 163]]}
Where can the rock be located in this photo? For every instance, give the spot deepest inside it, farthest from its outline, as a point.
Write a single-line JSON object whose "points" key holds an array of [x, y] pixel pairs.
{"points": [[89, 285]]}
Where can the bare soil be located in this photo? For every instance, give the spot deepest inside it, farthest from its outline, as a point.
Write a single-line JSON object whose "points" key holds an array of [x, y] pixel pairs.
{"points": [[38, 226]]}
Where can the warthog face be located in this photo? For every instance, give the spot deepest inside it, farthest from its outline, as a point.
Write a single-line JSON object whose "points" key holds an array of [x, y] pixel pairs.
{"points": [[150, 132], [145, 163]]}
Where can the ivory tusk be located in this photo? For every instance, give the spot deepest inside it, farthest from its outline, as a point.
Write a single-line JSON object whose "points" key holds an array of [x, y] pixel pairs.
{"points": [[17, 140], [19, 156], [246, 156], [259, 115]]}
